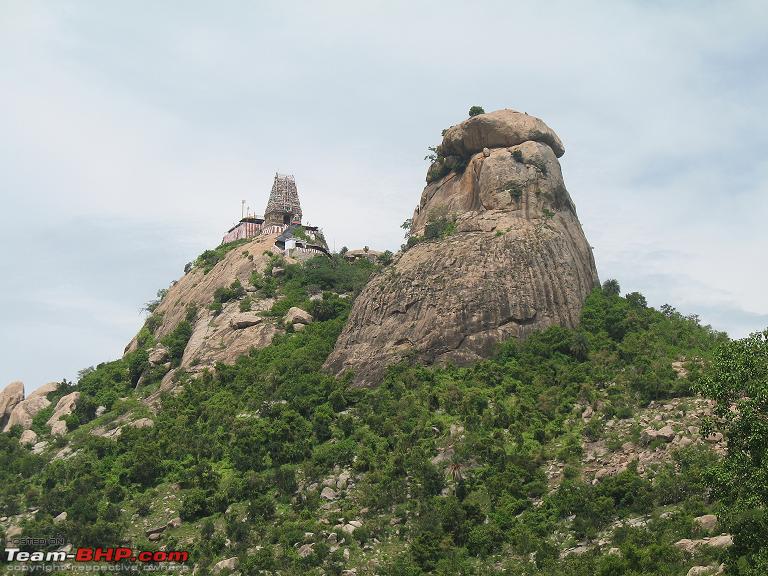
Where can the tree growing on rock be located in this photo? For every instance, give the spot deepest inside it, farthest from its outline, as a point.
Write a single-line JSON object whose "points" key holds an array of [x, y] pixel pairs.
{"points": [[476, 111]]}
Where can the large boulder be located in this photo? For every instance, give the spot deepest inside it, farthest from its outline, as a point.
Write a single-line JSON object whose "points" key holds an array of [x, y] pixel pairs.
{"points": [[245, 320], [228, 564], [513, 260], [9, 399], [706, 523], [27, 409], [297, 316], [64, 407], [498, 129], [28, 438]]}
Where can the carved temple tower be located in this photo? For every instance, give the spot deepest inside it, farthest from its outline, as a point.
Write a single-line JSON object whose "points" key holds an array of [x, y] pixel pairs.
{"points": [[283, 207]]}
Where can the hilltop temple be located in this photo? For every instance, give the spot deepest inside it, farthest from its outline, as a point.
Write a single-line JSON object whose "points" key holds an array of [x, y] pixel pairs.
{"points": [[282, 216]]}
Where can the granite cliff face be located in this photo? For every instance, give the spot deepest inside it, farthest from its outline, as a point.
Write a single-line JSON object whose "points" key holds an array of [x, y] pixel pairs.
{"points": [[216, 336], [506, 254]]}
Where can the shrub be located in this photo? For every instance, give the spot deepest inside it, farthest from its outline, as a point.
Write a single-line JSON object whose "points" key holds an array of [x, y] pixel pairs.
{"points": [[476, 111], [194, 504], [208, 259]]}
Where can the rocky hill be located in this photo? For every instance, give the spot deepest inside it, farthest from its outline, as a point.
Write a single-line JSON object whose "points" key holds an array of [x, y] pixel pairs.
{"points": [[497, 252], [476, 405]]}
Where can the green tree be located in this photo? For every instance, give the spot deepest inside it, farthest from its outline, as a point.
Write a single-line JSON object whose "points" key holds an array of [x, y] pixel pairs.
{"points": [[738, 382], [476, 111], [611, 287]]}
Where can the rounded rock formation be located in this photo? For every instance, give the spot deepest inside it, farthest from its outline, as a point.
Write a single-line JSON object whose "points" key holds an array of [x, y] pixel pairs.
{"points": [[10, 396], [23, 413], [500, 254], [498, 129]]}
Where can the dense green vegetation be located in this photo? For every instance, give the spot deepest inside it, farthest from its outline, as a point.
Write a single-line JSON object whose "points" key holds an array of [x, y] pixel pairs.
{"points": [[296, 283], [208, 259], [242, 446], [738, 381]]}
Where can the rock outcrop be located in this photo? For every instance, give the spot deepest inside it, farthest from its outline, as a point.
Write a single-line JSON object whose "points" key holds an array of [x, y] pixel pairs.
{"points": [[498, 129], [64, 407], [9, 398], [217, 336], [23, 412], [507, 256]]}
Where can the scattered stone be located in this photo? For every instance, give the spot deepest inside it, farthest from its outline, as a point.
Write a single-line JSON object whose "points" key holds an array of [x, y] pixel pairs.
{"points": [[12, 532], [100, 411], [679, 367], [666, 433], [155, 536], [229, 564], [60, 518], [704, 571], [155, 530], [306, 550], [707, 522], [245, 320], [28, 437], [724, 541], [486, 152], [158, 355], [588, 413], [328, 493], [687, 545], [142, 423], [298, 327], [714, 438], [297, 316], [602, 473], [39, 447]]}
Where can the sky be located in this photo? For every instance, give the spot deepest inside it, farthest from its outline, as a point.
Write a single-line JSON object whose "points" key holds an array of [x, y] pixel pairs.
{"points": [[131, 131]]}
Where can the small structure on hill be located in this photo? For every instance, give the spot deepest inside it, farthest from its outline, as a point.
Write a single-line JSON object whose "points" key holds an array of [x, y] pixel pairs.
{"points": [[282, 216]]}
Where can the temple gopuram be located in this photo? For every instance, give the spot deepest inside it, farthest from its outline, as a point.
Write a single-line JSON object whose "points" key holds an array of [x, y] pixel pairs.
{"points": [[282, 216]]}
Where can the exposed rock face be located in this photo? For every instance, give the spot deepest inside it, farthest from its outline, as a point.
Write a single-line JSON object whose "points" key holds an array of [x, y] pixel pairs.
{"points": [[517, 262], [9, 398], [222, 336], [23, 413], [64, 407]]}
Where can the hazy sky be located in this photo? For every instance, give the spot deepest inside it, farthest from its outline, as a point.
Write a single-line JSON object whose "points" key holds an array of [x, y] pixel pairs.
{"points": [[130, 131]]}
